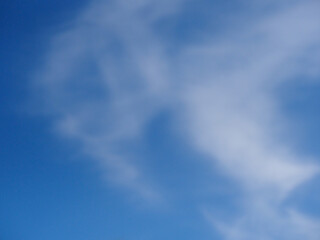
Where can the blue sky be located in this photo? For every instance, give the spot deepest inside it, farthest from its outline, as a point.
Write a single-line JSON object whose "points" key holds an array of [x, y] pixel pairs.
{"points": [[143, 119]]}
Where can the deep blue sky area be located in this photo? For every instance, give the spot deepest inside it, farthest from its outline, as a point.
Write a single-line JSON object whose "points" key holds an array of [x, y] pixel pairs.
{"points": [[58, 178], [26, 28], [43, 195], [48, 191]]}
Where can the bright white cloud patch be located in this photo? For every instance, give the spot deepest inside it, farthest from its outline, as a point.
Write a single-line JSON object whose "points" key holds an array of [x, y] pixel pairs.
{"points": [[113, 70]]}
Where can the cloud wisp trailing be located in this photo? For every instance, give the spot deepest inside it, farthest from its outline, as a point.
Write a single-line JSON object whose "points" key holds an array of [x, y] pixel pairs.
{"points": [[108, 76]]}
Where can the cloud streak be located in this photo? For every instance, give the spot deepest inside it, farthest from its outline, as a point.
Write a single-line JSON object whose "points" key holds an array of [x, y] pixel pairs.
{"points": [[112, 72]]}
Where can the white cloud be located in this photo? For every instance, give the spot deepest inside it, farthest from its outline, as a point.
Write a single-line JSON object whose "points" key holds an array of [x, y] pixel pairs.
{"points": [[111, 73], [104, 79], [267, 222]]}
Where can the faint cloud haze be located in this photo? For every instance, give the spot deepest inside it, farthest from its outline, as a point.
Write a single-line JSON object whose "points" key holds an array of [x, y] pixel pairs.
{"points": [[115, 69]]}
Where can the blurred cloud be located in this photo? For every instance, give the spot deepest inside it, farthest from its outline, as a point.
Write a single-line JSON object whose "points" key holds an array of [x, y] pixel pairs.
{"points": [[268, 222], [108, 75]]}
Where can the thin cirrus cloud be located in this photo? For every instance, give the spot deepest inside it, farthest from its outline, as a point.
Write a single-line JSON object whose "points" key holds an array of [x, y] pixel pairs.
{"points": [[113, 70]]}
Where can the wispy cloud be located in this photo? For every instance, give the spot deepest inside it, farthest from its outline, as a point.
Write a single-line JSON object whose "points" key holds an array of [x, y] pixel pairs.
{"points": [[108, 76], [263, 221], [231, 100]]}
